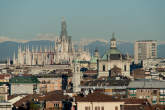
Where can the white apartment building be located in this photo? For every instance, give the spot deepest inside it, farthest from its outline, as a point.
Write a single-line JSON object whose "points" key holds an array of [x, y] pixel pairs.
{"points": [[144, 49]]}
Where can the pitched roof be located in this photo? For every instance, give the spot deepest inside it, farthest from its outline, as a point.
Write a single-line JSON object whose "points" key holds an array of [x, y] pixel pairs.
{"points": [[135, 101], [51, 96], [55, 96], [97, 96]]}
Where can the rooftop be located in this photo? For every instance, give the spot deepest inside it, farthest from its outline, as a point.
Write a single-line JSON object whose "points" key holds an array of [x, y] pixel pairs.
{"points": [[144, 83], [24, 79], [51, 96], [107, 82], [146, 41], [96, 97]]}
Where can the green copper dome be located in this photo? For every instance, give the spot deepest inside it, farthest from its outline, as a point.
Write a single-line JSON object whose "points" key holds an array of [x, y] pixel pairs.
{"points": [[112, 51], [75, 61], [93, 60]]}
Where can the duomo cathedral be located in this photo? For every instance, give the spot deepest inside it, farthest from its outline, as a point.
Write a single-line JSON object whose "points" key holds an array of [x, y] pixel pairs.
{"points": [[63, 52]]}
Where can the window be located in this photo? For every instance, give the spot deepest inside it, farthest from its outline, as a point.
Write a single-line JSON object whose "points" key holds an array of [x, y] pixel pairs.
{"points": [[98, 108], [103, 67], [77, 69], [125, 68], [116, 108], [87, 108], [95, 108], [154, 92], [153, 45], [56, 105], [102, 108]]}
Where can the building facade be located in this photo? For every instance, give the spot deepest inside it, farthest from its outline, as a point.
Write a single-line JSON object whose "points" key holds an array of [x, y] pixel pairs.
{"points": [[152, 90], [3, 93], [23, 85], [96, 101], [144, 49], [113, 58], [49, 84]]}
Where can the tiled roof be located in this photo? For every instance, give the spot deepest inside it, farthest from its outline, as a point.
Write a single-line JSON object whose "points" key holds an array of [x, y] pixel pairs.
{"points": [[26, 99], [96, 97], [135, 101], [55, 96], [2, 76], [51, 96]]}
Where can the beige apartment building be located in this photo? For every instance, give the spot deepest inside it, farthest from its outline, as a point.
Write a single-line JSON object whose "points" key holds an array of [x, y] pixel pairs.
{"points": [[3, 93], [49, 84], [96, 101], [152, 90], [144, 49]]}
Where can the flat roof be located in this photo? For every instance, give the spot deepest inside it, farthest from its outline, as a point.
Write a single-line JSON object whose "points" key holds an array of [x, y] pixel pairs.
{"points": [[147, 84]]}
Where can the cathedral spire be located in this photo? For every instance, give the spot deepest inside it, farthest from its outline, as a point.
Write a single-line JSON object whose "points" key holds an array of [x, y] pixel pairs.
{"points": [[63, 29]]}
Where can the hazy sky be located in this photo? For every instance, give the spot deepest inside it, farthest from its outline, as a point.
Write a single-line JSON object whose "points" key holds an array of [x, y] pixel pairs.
{"points": [[129, 19]]}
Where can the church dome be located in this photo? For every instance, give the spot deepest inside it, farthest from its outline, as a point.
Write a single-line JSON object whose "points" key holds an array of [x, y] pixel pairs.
{"points": [[93, 60], [75, 61], [114, 52]]}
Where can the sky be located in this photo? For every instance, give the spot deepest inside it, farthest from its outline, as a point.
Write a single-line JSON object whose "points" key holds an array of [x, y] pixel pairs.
{"points": [[86, 19]]}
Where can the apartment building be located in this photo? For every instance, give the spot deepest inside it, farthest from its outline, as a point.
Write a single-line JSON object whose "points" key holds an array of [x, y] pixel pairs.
{"points": [[144, 49], [152, 90]]}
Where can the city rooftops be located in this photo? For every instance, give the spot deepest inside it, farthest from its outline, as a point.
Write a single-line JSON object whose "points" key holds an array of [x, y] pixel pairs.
{"points": [[106, 82]]}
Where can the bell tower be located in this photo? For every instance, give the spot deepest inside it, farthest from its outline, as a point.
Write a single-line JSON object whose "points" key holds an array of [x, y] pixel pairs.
{"points": [[113, 41]]}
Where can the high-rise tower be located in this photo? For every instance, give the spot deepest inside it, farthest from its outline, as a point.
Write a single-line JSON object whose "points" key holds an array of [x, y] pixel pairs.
{"points": [[144, 49], [76, 76]]}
